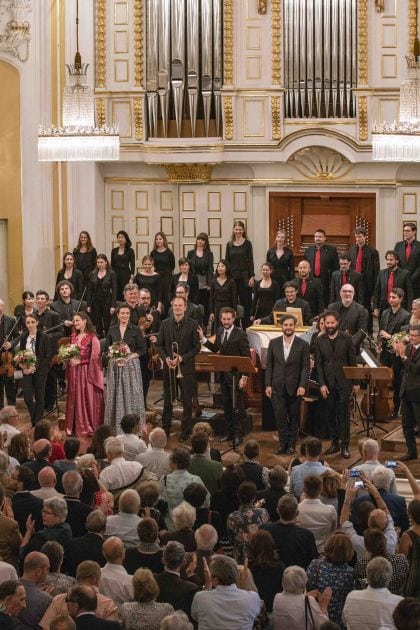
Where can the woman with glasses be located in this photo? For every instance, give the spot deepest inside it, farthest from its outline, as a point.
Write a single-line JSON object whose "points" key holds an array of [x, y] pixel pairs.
{"points": [[54, 514]]}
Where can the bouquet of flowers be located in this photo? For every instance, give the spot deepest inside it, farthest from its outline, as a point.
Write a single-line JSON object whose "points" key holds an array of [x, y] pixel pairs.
{"points": [[396, 338], [118, 350], [25, 359], [69, 351]]}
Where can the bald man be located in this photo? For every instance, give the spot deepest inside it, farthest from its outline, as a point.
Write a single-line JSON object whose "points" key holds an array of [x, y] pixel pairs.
{"points": [[47, 480], [35, 569], [115, 582], [42, 451], [353, 316]]}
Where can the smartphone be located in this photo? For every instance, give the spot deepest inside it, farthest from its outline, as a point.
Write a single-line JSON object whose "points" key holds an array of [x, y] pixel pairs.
{"points": [[391, 463], [358, 484], [354, 473]]}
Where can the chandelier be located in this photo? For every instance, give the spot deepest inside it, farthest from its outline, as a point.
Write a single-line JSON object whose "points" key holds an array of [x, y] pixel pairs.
{"points": [[78, 139]]}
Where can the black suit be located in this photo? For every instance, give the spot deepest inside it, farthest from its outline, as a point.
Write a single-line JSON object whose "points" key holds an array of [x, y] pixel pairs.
{"points": [[66, 311], [185, 334], [132, 337], [401, 280], [314, 294], [7, 383], [23, 504], [370, 271], [285, 376], [330, 358], [50, 319], [34, 384], [281, 305], [392, 324], [101, 295], [237, 345], [410, 395], [77, 515], [87, 547], [176, 591], [412, 264], [329, 263], [353, 319], [352, 277], [90, 621]]}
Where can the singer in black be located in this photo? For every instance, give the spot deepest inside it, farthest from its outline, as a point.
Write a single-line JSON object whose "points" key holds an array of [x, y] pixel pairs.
{"points": [[123, 262], [71, 274], [180, 330], [149, 324], [66, 306], [101, 295], [231, 341], [410, 390], [8, 332]]}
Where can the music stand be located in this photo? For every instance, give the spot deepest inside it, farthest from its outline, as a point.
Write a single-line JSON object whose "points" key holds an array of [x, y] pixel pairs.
{"points": [[371, 375], [234, 364], [55, 362]]}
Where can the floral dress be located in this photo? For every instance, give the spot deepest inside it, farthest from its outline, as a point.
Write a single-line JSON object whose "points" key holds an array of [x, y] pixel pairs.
{"points": [[241, 524], [340, 577]]}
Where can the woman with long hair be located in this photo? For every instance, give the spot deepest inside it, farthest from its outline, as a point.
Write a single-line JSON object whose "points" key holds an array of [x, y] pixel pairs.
{"points": [[71, 274], [123, 262], [164, 260], [266, 292], [222, 292], [85, 255], [240, 259], [149, 279], [101, 295], [376, 547], [282, 260], [266, 570], [85, 382], [26, 308], [185, 276], [201, 266]]}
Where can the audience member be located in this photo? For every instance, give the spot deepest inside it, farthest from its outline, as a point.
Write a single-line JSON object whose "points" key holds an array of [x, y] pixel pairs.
{"points": [[7, 572], [172, 588], [133, 444], [320, 519], [409, 546], [89, 546], [253, 470], [267, 572], [206, 540], [178, 621], [148, 553], [56, 581], [312, 466], [183, 516], [42, 450], [94, 492], [62, 622], [12, 603], [54, 514], [71, 449], [121, 475], [277, 480], [151, 504], [35, 570], [23, 501], [375, 544], [246, 520], [9, 420], [82, 602], [46, 482], [370, 461], [97, 446], [196, 495], [330, 487], [226, 500], [156, 459], [145, 611], [205, 427], [115, 582], [406, 615], [10, 538], [77, 511], [20, 448], [125, 523], [43, 431], [208, 470]]}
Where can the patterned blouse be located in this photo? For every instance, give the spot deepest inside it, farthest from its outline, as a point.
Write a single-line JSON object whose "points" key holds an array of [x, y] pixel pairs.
{"points": [[241, 524], [340, 577], [61, 583], [144, 615], [399, 565]]}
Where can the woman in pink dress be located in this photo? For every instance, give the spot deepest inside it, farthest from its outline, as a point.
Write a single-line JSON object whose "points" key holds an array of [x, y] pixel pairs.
{"points": [[85, 381]]}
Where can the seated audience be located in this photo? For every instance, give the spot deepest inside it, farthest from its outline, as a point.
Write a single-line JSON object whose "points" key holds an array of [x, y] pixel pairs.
{"points": [[293, 609], [294, 545], [71, 449], [115, 582], [375, 544], [9, 421], [35, 570], [125, 523], [206, 540], [77, 511], [208, 470], [312, 466], [89, 546], [277, 479], [195, 494], [5, 471], [372, 608], [20, 448], [121, 475], [148, 553], [46, 481], [7, 572], [97, 446], [82, 602], [43, 430], [94, 492], [330, 487], [145, 611], [370, 461], [183, 516], [333, 571], [23, 501], [133, 444], [178, 621], [55, 580], [267, 572], [63, 622], [88, 574], [151, 504], [406, 615], [205, 427], [12, 603], [42, 450], [253, 470], [409, 543], [225, 605], [54, 514], [320, 519], [226, 500], [246, 520], [172, 588], [10, 537], [156, 459]]}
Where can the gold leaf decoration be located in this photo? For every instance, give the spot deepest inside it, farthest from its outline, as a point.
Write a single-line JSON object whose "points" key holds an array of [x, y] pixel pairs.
{"points": [[320, 163], [187, 173], [100, 43], [363, 41], [228, 41], [228, 117], [138, 42], [275, 42], [275, 118], [363, 118]]}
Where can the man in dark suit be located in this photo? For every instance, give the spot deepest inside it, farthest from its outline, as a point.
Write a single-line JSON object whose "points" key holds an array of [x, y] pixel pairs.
{"points": [[81, 603], [42, 450], [66, 306], [410, 390], [8, 332], [77, 511], [172, 588], [89, 546], [409, 252], [365, 260], [310, 288], [392, 321], [391, 278], [24, 502], [150, 327], [180, 330], [231, 341], [291, 300], [346, 275], [333, 351], [286, 379], [353, 317], [194, 311], [323, 260]]}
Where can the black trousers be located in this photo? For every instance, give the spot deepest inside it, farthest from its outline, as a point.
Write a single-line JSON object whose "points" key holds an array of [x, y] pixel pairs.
{"points": [[410, 420], [233, 415], [101, 317], [145, 374], [244, 298], [286, 411], [337, 407], [186, 384], [7, 384], [34, 394], [204, 300], [367, 303]]}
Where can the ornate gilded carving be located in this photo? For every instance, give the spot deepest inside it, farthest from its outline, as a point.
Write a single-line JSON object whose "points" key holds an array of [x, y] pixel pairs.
{"points": [[363, 118], [380, 5], [138, 42], [275, 42], [320, 163], [228, 41], [262, 7], [100, 43], [228, 117], [412, 24], [182, 173], [275, 118], [363, 42], [100, 112], [138, 118]]}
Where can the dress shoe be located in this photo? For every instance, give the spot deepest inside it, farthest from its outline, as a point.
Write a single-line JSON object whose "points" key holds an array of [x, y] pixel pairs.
{"points": [[291, 450], [345, 452], [408, 456], [238, 439], [281, 451], [184, 437], [334, 448]]}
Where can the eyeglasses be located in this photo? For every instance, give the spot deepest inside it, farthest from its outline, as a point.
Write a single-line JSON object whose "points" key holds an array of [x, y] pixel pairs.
{"points": [[48, 512]]}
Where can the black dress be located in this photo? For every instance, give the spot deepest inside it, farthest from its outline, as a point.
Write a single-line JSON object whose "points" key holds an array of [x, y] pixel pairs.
{"points": [[85, 262], [222, 295], [101, 295], [192, 283], [283, 267], [202, 267], [76, 280], [20, 313], [241, 262], [153, 284], [124, 266], [264, 299], [164, 263]]}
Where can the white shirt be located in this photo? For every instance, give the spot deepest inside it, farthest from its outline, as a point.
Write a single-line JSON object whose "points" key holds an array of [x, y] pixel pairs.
{"points": [[116, 584], [10, 431], [225, 607], [133, 445], [358, 542], [7, 572], [320, 519], [120, 473], [370, 609], [228, 331], [155, 460], [46, 493], [287, 346], [369, 466], [125, 527]]}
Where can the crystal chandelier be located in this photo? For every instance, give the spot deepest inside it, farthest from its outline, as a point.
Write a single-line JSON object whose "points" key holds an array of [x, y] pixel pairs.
{"points": [[78, 139]]}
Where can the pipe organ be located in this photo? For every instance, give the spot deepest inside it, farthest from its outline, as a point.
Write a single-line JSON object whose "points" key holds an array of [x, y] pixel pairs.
{"points": [[320, 58], [183, 67]]}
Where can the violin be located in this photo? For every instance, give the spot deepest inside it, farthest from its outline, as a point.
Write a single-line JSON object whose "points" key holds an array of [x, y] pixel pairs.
{"points": [[6, 356], [155, 363]]}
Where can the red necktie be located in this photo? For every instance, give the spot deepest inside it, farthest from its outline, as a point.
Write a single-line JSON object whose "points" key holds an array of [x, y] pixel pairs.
{"points": [[343, 279], [317, 266], [303, 286], [408, 250], [390, 284], [412, 352], [359, 260]]}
